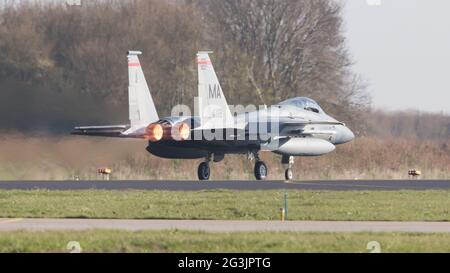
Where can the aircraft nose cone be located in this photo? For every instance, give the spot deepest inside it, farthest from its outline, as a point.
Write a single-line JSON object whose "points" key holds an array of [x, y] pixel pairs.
{"points": [[348, 135], [345, 135], [351, 135]]}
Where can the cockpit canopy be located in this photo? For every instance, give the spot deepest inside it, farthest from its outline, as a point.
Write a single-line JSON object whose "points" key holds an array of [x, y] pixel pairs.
{"points": [[303, 103]]}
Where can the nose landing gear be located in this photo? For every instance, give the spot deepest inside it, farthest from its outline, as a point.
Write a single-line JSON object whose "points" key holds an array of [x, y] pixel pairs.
{"points": [[289, 162], [288, 174]]}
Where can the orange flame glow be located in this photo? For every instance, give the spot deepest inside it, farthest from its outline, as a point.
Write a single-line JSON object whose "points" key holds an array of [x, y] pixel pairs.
{"points": [[183, 131], [155, 132]]}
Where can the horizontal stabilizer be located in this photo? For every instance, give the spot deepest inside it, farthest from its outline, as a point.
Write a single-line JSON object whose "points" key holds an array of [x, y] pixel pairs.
{"points": [[105, 131]]}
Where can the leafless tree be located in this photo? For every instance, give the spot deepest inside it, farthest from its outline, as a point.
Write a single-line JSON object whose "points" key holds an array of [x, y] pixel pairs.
{"points": [[289, 48], [265, 50]]}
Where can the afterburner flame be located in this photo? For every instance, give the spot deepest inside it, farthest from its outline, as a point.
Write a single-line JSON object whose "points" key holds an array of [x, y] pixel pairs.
{"points": [[183, 131], [155, 132]]}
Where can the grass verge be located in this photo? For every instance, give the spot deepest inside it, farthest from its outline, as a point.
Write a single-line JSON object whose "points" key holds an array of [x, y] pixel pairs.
{"points": [[228, 205], [184, 241]]}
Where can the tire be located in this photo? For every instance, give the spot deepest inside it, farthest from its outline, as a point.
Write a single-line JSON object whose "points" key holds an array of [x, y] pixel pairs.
{"points": [[203, 171], [261, 170], [288, 174]]}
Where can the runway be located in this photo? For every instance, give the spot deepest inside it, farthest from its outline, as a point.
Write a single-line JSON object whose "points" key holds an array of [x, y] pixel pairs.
{"points": [[341, 185], [220, 226]]}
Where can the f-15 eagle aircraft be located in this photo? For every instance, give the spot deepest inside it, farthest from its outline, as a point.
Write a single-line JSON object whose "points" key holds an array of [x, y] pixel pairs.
{"points": [[295, 127]]}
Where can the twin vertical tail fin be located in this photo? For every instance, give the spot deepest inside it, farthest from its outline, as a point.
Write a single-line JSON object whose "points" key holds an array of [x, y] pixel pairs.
{"points": [[142, 109], [213, 107]]}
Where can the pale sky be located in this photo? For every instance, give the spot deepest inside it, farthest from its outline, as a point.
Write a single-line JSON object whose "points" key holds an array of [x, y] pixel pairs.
{"points": [[402, 47]]}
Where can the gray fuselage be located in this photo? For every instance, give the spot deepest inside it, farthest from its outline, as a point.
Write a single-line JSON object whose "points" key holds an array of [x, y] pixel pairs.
{"points": [[285, 128]]}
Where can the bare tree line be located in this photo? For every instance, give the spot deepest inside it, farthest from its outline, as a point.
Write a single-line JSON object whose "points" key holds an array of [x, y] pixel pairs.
{"points": [[264, 51], [82, 49], [409, 124]]}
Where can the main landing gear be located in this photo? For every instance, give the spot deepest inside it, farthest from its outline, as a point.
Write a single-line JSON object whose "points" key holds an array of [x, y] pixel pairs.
{"points": [[288, 161], [204, 171], [261, 171]]}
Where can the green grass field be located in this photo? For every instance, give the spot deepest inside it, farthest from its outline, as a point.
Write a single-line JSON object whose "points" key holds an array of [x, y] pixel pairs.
{"points": [[183, 241], [225, 205]]}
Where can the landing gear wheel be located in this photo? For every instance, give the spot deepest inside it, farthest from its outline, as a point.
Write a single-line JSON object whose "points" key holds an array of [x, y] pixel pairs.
{"points": [[203, 171], [288, 174], [261, 170]]}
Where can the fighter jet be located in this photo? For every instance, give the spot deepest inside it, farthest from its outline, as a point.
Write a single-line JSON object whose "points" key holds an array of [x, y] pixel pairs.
{"points": [[295, 127]]}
